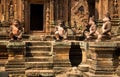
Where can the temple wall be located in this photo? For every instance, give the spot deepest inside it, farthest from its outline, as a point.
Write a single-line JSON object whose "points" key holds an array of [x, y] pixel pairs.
{"points": [[70, 11], [79, 12]]}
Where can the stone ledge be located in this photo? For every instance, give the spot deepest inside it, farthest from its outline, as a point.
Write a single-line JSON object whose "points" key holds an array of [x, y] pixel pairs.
{"points": [[103, 44], [88, 74]]}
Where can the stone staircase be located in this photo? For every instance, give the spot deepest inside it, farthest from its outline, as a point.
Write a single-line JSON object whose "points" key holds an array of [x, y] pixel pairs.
{"points": [[39, 61], [15, 67]]}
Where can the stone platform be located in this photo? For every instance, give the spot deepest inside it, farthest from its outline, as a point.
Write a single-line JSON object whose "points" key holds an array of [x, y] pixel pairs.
{"points": [[50, 58]]}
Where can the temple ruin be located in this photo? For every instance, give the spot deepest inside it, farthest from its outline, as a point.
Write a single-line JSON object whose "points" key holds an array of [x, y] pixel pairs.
{"points": [[38, 55]]}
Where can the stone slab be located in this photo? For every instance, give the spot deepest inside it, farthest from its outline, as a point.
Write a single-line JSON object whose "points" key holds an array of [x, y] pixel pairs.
{"points": [[88, 74], [103, 44]]}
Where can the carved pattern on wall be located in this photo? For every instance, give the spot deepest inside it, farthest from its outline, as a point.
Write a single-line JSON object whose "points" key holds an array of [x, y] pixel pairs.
{"points": [[23, 10], [115, 9], [47, 16], [79, 12], [11, 10]]}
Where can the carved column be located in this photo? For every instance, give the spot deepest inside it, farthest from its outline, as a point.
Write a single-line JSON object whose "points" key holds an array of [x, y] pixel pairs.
{"points": [[22, 12], [4, 10], [1, 10], [115, 9], [26, 15], [100, 9], [52, 11], [11, 10], [101, 59], [47, 19], [65, 11]]}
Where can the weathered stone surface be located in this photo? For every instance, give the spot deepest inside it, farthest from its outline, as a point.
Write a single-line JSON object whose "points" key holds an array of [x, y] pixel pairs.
{"points": [[102, 55], [103, 44], [83, 67], [3, 50], [88, 74], [38, 59]]}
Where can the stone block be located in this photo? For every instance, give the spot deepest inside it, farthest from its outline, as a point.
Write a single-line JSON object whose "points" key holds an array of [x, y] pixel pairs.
{"points": [[102, 71], [88, 74], [83, 67]]}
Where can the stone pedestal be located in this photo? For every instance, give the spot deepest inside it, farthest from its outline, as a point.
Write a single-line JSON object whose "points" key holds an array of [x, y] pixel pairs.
{"points": [[16, 50], [61, 57], [101, 57]]}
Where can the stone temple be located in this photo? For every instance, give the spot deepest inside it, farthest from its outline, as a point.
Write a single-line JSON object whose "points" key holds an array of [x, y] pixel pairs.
{"points": [[38, 55]]}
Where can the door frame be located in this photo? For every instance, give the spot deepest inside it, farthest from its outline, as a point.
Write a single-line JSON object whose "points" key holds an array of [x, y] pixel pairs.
{"points": [[27, 16]]}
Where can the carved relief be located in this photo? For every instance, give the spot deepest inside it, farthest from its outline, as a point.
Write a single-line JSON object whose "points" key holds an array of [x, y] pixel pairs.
{"points": [[11, 10], [79, 12], [115, 8]]}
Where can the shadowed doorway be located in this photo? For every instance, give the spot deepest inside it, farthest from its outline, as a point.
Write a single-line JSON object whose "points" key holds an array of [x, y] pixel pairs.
{"points": [[36, 17]]}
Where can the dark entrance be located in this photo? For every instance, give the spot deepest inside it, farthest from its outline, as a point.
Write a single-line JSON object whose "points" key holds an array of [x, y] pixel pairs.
{"points": [[91, 5], [36, 17], [75, 54]]}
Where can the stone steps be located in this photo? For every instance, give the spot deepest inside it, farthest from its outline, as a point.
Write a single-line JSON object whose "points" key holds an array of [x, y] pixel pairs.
{"points": [[38, 59], [15, 66], [62, 65], [39, 65], [16, 71], [38, 43], [37, 53], [39, 73], [39, 48]]}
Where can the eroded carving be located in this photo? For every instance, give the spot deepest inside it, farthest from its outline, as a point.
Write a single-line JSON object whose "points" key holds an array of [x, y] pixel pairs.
{"points": [[115, 8], [105, 33]]}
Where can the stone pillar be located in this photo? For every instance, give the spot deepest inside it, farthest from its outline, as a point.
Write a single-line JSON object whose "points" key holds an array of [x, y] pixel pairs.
{"points": [[61, 57], [101, 59], [83, 66], [97, 11], [47, 16], [100, 7], [52, 18], [118, 68], [51, 11], [23, 9], [26, 15], [15, 9]]}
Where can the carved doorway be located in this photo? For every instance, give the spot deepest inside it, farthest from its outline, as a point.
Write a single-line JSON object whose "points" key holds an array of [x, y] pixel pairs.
{"points": [[36, 17]]}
